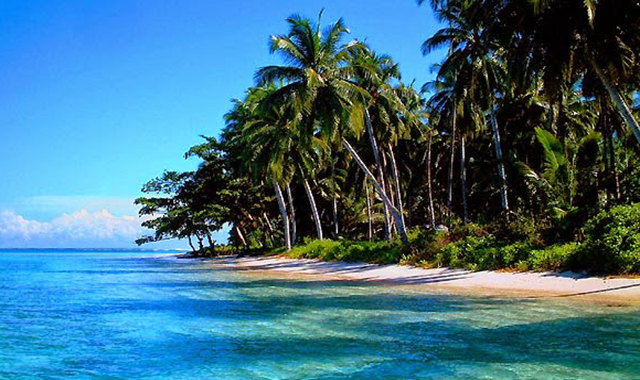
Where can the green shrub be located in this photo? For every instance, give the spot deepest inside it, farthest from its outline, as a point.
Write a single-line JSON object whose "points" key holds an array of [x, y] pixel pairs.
{"points": [[315, 249], [612, 242], [523, 266], [423, 247], [514, 254], [472, 252], [554, 258], [518, 228], [470, 246], [612, 245], [380, 252]]}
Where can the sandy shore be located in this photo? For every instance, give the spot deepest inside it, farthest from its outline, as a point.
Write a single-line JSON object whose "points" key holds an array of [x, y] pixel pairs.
{"points": [[566, 285]]}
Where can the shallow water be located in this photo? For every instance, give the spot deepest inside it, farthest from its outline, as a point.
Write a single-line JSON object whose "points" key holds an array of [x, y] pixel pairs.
{"points": [[131, 315]]}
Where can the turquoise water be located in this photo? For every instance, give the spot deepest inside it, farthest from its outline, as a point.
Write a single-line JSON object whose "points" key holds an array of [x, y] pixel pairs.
{"points": [[131, 315]]}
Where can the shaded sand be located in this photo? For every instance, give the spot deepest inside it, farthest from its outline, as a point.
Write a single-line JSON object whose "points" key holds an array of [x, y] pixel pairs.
{"points": [[567, 285]]}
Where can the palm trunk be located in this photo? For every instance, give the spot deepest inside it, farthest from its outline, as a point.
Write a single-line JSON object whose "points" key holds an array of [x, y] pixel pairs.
{"points": [[376, 156], [240, 236], [396, 180], [431, 209], [501, 172], [336, 229], [390, 193], [267, 221], [380, 190], [283, 212], [369, 216], [610, 159], [292, 212], [618, 100], [451, 163], [268, 233], [463, 174], [561, 127], [616, 175], [314, 209]]}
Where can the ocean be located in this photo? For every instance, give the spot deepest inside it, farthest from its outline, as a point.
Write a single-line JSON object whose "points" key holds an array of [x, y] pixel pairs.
{"points": [[77, 314]]}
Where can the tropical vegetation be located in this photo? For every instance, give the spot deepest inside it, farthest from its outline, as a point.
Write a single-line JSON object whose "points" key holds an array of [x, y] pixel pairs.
{"points": [[523, 152]]}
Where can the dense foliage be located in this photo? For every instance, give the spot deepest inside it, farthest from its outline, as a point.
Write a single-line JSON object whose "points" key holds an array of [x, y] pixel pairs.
{"points": [[523, 152]]}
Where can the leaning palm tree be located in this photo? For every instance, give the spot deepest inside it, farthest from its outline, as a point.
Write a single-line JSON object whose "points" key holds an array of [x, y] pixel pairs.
{"points": [[374, 73], [273, 146], [267, 142], [317, 83]]}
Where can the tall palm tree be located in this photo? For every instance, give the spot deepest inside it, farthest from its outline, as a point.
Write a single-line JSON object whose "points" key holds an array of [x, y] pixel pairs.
{"points": [[477, 69], [315, 82], [268, 142], [274, 140], [444, 105], [374, 73], [318, 84]]}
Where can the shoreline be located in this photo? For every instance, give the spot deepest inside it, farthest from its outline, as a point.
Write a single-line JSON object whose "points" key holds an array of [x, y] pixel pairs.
{"points": [[525, 285]]}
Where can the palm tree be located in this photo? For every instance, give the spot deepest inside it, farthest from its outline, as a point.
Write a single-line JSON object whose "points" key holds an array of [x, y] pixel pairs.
{"points": [[268, 142], [318, 84], [443, 106], [315, 81], [477, 70], [272, 139], [603, 40], [374, 73]]}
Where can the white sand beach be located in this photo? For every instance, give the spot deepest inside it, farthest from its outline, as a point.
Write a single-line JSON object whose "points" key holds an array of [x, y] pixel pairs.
{"points": [[566, 285]]}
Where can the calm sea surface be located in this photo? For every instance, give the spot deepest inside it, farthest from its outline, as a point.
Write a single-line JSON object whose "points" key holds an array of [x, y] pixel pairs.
{"points": [[133, 315]]}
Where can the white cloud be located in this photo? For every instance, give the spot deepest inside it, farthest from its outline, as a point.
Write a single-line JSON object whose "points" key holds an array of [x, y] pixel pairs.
{"points": [[58, 204], [79, 229]]}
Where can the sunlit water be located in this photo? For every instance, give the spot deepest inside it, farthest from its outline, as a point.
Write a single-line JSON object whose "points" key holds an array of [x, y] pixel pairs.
{"points": [[130, 315]]}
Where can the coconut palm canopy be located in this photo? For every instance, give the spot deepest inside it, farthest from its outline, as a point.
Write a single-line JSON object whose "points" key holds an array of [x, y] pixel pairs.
{"points": [[532, 116]]}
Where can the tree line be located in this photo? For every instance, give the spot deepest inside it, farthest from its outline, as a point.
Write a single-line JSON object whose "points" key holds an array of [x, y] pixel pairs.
{"points": [[532, 118]]}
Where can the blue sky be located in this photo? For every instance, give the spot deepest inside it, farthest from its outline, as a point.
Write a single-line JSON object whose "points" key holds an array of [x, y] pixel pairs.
{"points": [[97, 97]]}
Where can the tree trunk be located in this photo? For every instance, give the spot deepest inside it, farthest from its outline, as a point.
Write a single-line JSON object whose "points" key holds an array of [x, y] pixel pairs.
{"points": [[390, 193], [501, 173], [561, 126], [283, 212], [268, 233], [240, 236], [193, 248], [314, 209], [336, 229], [616, 176], [200, 244], [376, 156], [396, 180], [369, 215], [266, 219], [292, 212], [212, 244], [463, 174], [611, 156], [618, 100], [451, 163], [380, 190], [432, 211]]}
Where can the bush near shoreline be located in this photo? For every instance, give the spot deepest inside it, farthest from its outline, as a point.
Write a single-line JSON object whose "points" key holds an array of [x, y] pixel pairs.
{"points": [[610, 244]]}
